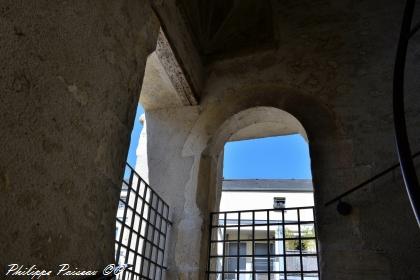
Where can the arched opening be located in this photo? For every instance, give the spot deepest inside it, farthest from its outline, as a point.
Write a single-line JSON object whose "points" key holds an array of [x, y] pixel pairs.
{"points": [[252, 123], [252, 235], [70, 77], [143, 216], [186, 161]]}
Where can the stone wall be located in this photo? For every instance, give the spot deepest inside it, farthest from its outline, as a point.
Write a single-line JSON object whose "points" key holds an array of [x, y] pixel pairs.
{"points": [[70, 80], [332, 70]]}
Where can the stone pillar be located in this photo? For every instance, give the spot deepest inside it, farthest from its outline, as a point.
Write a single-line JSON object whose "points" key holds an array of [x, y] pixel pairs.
{"points": [[174, 176], [71, 73]]}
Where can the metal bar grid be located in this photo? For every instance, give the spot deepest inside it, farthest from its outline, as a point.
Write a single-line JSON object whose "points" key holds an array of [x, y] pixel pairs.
{"points": [[224, 246], [283, 233], [142, 227], [238, 250], [279, 243], [268, 246]]}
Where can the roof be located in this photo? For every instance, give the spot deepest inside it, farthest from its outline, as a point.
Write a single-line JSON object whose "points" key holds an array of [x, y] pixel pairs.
{"points": [[268, 185]]}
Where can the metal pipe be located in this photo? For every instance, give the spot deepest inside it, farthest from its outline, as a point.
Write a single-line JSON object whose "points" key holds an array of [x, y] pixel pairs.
{"points": [[368, 181], [401, 137]]}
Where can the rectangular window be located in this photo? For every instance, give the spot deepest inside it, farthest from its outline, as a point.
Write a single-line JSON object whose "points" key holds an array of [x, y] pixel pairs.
{"points": [[261, 259], [279, 203], [234, 259]]}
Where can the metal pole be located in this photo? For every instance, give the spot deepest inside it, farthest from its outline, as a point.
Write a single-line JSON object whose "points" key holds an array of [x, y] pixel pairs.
{"points": [[403, 146]]}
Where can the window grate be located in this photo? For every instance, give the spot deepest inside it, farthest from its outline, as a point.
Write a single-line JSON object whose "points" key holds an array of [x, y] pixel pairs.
{"points": [[142, 225], [270, 244]]}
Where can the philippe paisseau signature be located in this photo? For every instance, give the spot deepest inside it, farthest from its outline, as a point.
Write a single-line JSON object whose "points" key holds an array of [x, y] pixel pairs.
{"points": [[62, 270]]}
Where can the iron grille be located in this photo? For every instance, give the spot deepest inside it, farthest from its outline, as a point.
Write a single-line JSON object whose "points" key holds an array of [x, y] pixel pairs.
{"points": [[269, 244], [141, 229]]}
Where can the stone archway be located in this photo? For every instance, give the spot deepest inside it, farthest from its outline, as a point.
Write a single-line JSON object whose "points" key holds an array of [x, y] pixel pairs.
{"points": [[248, 116], [256, 122]]}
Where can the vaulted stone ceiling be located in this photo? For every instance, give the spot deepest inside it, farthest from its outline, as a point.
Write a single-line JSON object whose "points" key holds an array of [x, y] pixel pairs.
{"points": [[226, 26]]}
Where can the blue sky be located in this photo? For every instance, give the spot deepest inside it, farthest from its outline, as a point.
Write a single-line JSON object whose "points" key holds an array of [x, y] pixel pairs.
{"points": [[281, 157], [135, 135]]}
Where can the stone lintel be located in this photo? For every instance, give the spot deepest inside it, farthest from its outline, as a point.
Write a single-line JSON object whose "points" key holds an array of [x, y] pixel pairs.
{"points": [[174, 71]]}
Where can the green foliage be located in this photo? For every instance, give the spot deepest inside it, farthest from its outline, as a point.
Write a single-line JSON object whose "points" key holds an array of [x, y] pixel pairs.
{"points": [[307, 245]]}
